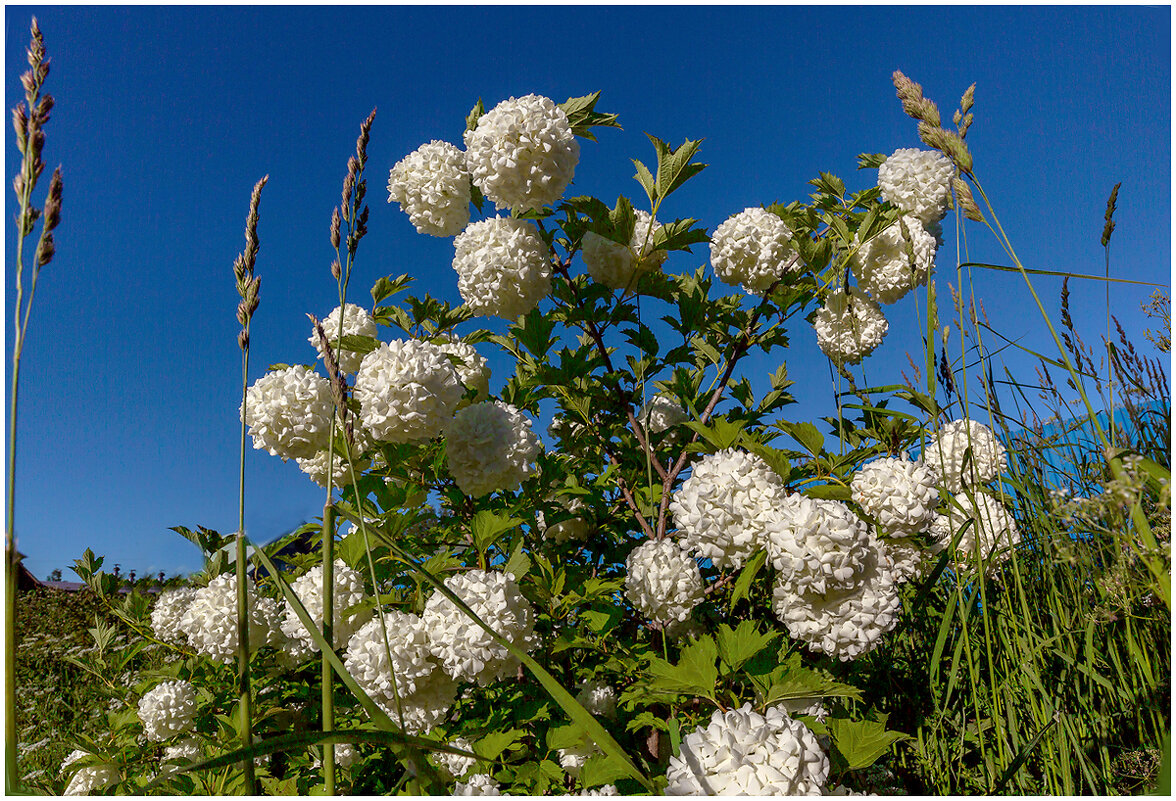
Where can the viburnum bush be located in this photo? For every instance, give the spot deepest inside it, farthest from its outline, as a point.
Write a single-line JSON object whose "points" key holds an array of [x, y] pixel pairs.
{"points": [[678, 589]]}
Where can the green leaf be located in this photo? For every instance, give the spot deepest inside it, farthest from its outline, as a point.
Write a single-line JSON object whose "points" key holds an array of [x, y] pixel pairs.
{"points": [[738, 645], [386, 287], [674, 167], [861, 742], [602, 769], [747, 576], [867, 161], [807, 435], [721, 433], [487, 527], [695, 673], [602, 621], [645, 178], [582, 115], [493, 744], [357, 344]]}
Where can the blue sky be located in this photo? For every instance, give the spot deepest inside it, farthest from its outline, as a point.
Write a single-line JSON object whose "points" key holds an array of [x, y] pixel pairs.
{"points": [[166, 117]]}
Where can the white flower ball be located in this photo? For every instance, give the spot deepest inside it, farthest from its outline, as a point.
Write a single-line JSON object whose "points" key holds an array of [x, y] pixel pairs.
{"points": [[522, 153], [478, 784], [908, 558], [883, 267], [432, 186], [503, 267], [849, 326], [211, 620], [472, 369], [573, 528], [490, 446], [316, 467], [573, 759], [663, 583], [752, 249], [456, 766], [462, 647], [604, 789], [168, 709], [918, 182], [598, 698], [429, 705], [348, 592], [898, 493], [168, 611], [742, 752], [662, 413], [991, 529], [87, 780], [816, 545], [843, 623], [618, 266], [289, 412], [185, 752], [963, 441], [411, 663], [356, 323], [345, 755], [407, 391], [717, 510]]}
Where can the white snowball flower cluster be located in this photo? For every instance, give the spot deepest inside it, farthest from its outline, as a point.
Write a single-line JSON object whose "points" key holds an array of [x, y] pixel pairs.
{"points": [[472, 369], [741, 752], [184, 752], [816, 545], [918, 182], [464, 649], [411, 663], [490, 446], [618, 266], [884, 267], [168, 709], [604, 789], [967, 441], [573, 528], [87, 780], [211, 619], [899, 494], [407, 390], [662, 413], [345, 756], [356, 323], [992, 529], [908, 558], [289, 412], [663, 583], [717, 510], [522, 153], [453, 764], [752, 248], [315, 467], [348, 592], [598, 698], [503, 267], [168, 611], [573, 759], [850, 326], [844, 623], [432, 186], [478, 784]]}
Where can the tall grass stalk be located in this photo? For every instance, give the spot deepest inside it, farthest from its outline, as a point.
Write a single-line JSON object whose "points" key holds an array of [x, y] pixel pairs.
{"points": [[28, 119], [248, 286]]}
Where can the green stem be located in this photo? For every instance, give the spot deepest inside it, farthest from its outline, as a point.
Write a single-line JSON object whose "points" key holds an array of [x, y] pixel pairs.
{"points": [[329, 637], [245, 694]]}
